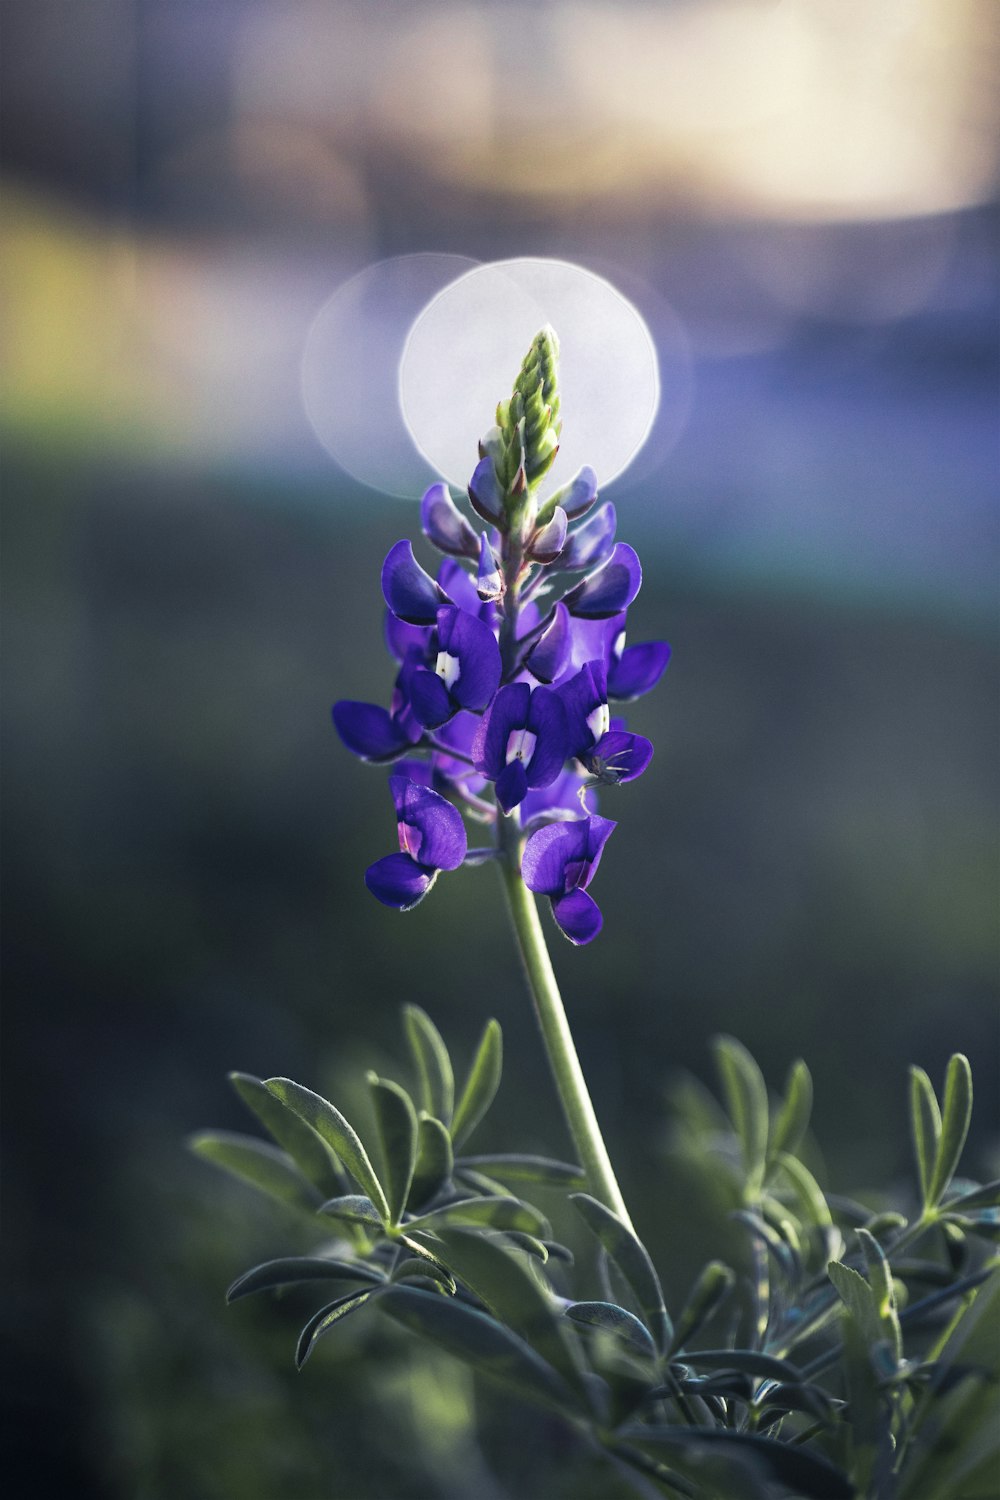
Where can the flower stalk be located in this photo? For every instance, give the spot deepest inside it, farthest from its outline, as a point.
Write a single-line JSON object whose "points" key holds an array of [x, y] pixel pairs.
{"points": [[553, 1022]]}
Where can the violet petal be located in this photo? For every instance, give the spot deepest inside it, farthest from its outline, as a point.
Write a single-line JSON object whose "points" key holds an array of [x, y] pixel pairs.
{"points": [[369, 731], [484, 492], [548, 852], [638, 669], [507, 712], [409, 592], [431, 830], [578, 916], [548, 542], [444, 525], [511, 785], [430, 699], [398, 881], [548, 656], [611, 589], [547, 722], [591, 544]]}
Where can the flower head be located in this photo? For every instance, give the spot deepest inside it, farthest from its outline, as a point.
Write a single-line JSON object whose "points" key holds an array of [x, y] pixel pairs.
{"points": [[432, 838], [560, 861]]}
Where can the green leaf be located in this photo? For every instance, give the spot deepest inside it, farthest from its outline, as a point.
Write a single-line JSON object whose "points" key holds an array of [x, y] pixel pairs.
{"points": [[435, 1162], [498, 1213], [481, 1085], [749, 1361], [259, 1163], [987, 1196], [324, 1320], [956, 1112], [792, 1119], [433, 1065], [882, 1289], [353, 1208], [794, 1468], [925, 1125], [858, 1298], [614, 1319], [512, 1291], [516, 1168], [480, 1341], [420, 1268], [396, 1123], [335, 1130], [632, 1260], [311, 1154], [714, 1284], [275, 1273], [746, 1099], [812, 1202]]}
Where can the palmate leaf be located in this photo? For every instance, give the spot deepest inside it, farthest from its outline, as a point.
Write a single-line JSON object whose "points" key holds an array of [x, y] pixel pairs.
{"points": [[330, 1124], [432, 1062], [299, 1268], [746, 1100], [632, 1259], [321, 1322], [513, 1293], [703, 1456], [396, 1123], [511, 1167], [259, 1163], [311, 1154], [480, 1341], [481, 1084], [435, 1161]]}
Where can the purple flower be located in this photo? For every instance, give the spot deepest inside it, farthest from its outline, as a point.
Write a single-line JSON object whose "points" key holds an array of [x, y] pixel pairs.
{"points": [[560, 861], [610, 589], [444, 525], [431, 838], [591, 544], [521, 741], [609, 754], [467, 671], [484, 492], [410, 593], [374, 733]]}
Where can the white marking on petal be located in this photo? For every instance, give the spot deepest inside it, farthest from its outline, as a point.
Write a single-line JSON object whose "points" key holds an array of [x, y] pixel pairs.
{"points": [[520, 745], [599, 721], [619, 645], [448, 668]]}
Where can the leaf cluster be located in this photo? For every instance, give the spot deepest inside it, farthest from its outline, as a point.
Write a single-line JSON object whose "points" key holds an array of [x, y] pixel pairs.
{"points": [[853, 1355]]}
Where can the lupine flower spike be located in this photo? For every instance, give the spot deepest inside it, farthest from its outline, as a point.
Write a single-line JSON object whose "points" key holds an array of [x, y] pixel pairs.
{"points": [[508, 661]]}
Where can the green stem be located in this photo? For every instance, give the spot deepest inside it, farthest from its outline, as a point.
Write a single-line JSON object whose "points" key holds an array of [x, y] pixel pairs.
{"points": [[563, 1060]]}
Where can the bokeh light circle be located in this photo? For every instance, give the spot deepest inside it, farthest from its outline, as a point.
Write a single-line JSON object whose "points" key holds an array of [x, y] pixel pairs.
{"points": [[466, 347], [350, 366]]}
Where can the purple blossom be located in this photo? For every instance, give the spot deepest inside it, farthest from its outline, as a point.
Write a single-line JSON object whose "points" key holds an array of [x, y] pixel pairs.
{"points": [[522, 741], [610, 589], [466, 673], [410, 593], [444, 525], [560, 861], [374, 733], [591, 544], [431, 838], [610, 754]]}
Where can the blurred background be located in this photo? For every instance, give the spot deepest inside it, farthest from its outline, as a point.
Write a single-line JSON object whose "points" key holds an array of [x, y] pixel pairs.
{"points": [[800, 196]]}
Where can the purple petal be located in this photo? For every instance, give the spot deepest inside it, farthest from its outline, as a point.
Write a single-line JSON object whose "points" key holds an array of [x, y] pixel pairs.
{"points": [[638, 669], [430, 829], [549, 541], [409, 592], [591, 544], [547, 722], [583, 697], [559, 800], [444, 524], [430, 699], [401, 638], [549, 654], [369, 731], [511, 785], [548, 852], [397, 880], [471, 642], [599, 830], [580, 494], [578, 916], [619, 756], [484, 491], [489, 580], [507, 712], [611, 589]]}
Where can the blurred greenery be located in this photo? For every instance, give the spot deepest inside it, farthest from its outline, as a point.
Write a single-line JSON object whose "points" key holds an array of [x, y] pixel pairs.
{"points": [[810, 865]]}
